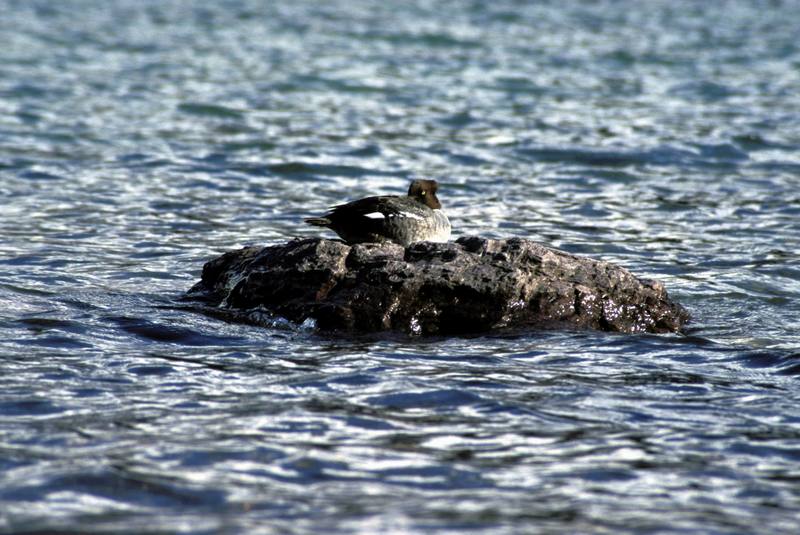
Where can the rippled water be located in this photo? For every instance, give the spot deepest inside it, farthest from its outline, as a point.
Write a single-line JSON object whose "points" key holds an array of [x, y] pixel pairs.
{"points": [[139, 139]]}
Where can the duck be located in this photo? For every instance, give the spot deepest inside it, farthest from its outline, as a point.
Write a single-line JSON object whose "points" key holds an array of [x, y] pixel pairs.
{"points": [[404, 220]]}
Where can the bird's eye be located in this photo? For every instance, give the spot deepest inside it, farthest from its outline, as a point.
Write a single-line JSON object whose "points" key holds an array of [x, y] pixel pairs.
{"points": [[423, 193]]}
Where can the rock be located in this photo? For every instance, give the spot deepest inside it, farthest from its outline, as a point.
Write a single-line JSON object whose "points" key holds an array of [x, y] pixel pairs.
{"points": [[467, 286]]}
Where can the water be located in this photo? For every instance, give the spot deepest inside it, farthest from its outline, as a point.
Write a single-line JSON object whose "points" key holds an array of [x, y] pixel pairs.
{"points": [[139, 139]]}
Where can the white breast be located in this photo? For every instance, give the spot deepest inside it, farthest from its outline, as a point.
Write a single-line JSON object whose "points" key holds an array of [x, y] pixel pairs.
{"points": [[441, 227]]}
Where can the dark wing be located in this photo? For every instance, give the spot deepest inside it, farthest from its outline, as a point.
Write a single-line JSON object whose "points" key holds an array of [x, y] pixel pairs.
{"points": [[361, 220], [376, 219]]}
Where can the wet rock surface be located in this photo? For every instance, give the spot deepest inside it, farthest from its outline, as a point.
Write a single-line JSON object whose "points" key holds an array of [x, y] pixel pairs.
{"points": [[470, 285]]}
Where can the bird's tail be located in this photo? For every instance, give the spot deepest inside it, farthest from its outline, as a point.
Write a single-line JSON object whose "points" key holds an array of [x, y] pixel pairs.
{"points": [[318, 221]]}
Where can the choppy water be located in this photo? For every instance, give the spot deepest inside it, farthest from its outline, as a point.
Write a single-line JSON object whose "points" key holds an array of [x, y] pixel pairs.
{"points": [[139, 139]]}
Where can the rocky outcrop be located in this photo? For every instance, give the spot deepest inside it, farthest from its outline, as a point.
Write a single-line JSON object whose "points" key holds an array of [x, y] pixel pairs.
{"points": [[467, 286]]}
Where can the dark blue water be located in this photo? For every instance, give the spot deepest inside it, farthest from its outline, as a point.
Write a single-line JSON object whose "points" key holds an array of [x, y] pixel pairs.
{"points": [[139, 139]]}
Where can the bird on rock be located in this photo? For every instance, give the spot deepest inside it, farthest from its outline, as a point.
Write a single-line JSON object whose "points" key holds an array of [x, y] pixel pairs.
{"points": [[415, 217]]}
